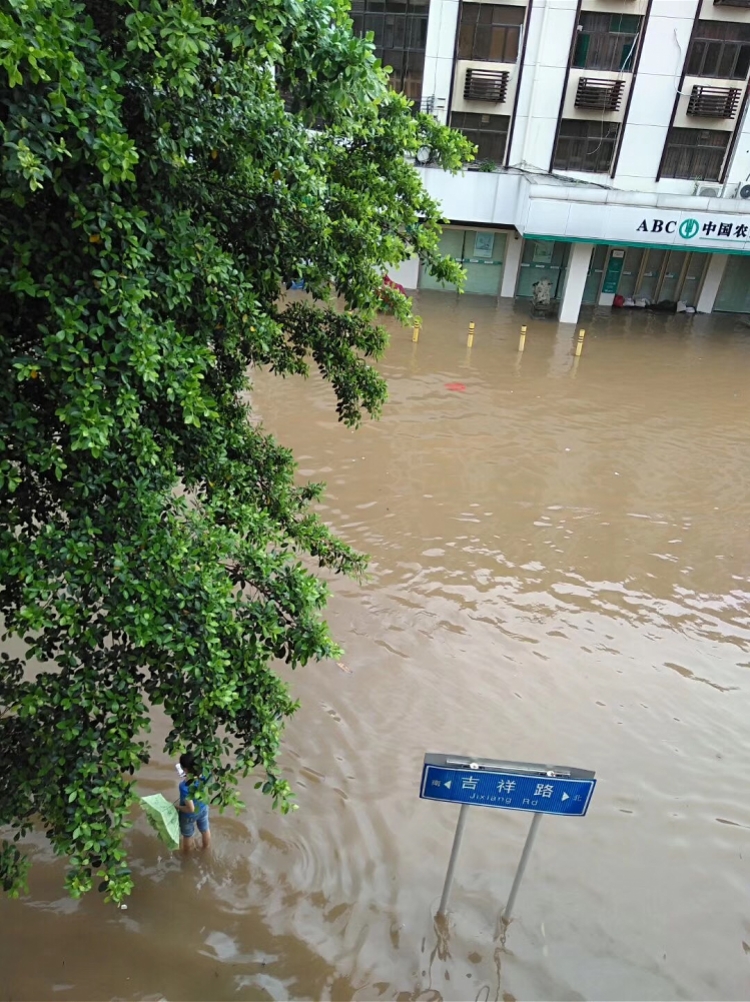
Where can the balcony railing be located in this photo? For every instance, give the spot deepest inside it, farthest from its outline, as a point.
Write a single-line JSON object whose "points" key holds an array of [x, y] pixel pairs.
{"points": [[713, 102], [599, 94], [431, 105], [486, 85]]}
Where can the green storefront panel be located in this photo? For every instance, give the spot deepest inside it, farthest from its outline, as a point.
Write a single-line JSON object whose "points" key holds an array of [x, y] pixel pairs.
{"points": [[734, 291], [482, 253], [594, 278]]}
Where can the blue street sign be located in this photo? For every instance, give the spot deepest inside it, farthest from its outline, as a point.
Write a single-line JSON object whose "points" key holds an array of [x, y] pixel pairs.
{"points": [[511, 786]]}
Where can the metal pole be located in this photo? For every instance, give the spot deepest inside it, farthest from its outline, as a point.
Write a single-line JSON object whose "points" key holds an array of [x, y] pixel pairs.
{"points": [[462, 814], [521, 866]]}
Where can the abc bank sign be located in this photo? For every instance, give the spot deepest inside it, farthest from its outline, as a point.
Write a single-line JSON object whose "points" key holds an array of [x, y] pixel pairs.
{"points": [[612, 218], [690, 229]]}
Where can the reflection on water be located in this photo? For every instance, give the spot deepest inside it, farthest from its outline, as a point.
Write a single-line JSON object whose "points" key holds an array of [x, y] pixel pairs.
{"points": [[560, 572]]}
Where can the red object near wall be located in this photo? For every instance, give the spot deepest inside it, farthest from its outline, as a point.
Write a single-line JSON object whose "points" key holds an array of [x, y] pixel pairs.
{"points": [[387, 280]]}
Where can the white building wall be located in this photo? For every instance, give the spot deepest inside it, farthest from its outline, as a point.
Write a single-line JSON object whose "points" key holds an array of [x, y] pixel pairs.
{"points": [[475, 197], [656, 85], [739, 169], [551, 27], [406, 274], [605, 208], [438, 61]]}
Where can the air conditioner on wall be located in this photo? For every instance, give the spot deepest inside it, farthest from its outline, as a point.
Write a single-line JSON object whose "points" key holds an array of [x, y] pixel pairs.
{"points": [[713, 190], [741, 190]]}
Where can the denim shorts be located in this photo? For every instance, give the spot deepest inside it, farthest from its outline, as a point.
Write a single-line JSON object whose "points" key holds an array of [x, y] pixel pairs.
{"points": [[189, 821]]}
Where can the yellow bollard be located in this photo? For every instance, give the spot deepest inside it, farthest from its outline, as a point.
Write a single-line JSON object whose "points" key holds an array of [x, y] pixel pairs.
{"points": [[415, 332], [579, 345], [470, 337], [522, 339]]}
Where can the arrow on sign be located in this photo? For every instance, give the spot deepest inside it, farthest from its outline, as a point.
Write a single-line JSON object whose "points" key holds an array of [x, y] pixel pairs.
{"points": [[566, 796], [448, 784]]}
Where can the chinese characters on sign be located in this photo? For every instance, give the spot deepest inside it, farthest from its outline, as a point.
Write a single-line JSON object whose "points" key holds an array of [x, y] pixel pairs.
{"points": [[547, 793], [725, 229]]}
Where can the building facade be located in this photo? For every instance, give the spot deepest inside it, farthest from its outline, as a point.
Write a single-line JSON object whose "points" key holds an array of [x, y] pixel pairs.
{"points": [[613, 143]]}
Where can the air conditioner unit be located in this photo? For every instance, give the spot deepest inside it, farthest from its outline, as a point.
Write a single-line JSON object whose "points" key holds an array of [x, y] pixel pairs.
{"points": [[714, 102], [710, 192], [743, 191], [486, 85]]}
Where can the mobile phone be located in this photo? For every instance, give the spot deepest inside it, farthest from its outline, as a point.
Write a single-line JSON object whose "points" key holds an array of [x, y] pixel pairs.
{"points": [[180, 771]]}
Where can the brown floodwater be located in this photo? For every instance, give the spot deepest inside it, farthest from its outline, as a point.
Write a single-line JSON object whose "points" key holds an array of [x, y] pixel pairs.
{"points": [[560, 573]]}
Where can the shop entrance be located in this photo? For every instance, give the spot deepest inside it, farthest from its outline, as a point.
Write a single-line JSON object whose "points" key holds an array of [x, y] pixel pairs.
{"points": [[542, 259], [658, 275]]}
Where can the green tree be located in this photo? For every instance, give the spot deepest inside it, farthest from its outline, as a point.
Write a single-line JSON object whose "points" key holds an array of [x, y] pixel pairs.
{"points": [[161, 185]]}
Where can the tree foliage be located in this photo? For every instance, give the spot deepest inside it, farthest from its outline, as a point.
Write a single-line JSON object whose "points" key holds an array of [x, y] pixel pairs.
{"points": [[168, 167]]}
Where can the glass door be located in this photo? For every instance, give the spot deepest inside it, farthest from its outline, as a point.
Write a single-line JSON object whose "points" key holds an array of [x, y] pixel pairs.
{"points": [[595, 275], [648, 287], [674, 275], [542, 259], [691, 283], [734, 291], [631, 269]]}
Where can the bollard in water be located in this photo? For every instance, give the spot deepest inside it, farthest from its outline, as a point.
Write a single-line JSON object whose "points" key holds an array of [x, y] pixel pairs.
{"points": [[470, 337], [415, 332], [522, 339], [579, 344]]}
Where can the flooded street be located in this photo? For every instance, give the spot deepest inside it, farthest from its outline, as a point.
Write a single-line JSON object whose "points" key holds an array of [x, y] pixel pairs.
{"points": [[560, 573]]}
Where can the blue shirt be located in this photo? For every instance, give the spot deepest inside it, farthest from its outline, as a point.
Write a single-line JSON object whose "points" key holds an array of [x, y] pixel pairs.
{"points": [[189, 790]]}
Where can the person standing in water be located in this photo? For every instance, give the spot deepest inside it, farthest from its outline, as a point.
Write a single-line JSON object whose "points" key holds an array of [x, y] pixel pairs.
{"points": [[193, 809]]}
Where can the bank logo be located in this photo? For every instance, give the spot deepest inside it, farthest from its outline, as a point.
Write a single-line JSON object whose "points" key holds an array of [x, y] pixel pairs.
{"points": [[689, 228]]}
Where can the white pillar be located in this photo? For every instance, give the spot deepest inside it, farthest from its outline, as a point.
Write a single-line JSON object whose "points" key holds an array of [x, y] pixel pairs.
{"points": [[575, 281], [714, 274], [438, 59], [511, 264], [552, 23]]}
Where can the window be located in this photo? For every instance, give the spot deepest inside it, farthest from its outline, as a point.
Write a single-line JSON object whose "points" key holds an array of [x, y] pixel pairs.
{"points": [[606, 41], [488, 132], [585, 146], [696, 154], [490, 31], [719, 49], [399, 28]]}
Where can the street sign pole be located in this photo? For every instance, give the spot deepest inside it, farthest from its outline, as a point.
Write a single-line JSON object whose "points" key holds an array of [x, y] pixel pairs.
{"points": [[511, 786], [521, 866], [462, 815]]}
